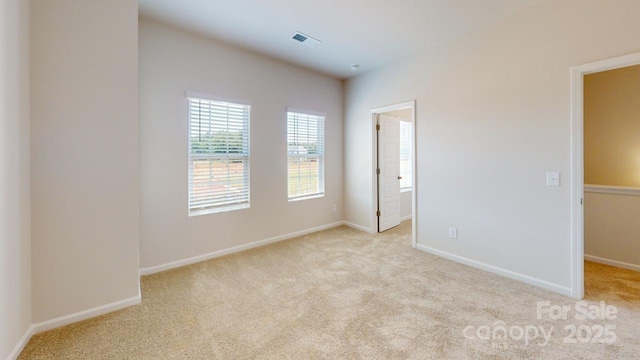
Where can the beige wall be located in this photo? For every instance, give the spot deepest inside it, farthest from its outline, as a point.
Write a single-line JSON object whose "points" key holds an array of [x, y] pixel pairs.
{"points": [[611, 227], [405, 204], [15, 241], [493, 116], [84, 128], [612, 127], [173, 62]]}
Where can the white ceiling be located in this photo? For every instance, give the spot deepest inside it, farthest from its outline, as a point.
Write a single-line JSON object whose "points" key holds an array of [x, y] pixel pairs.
{"points": [[371, 33]]}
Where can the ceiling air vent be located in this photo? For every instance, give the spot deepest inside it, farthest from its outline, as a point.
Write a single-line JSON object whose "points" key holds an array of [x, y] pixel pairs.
{"points": [[305, 39]]}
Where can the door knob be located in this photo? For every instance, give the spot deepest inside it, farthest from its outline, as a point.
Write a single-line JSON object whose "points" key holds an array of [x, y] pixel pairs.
{"points": [[399, 177]]}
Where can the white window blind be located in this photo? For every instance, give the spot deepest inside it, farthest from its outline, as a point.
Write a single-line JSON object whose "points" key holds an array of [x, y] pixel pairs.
{"points": [[305, 144], [405, 154], [218, 156]]}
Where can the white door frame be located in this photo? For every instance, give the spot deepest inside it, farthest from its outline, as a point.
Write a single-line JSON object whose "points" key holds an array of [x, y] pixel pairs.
{"points": [[577, 161], [374, 161]]}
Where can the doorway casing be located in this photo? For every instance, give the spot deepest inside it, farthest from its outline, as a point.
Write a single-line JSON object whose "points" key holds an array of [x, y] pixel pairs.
{"points": [[577, 160], [374, 161]]}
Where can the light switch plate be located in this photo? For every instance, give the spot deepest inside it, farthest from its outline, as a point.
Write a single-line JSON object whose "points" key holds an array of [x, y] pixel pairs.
{"points": [[553, 179]]}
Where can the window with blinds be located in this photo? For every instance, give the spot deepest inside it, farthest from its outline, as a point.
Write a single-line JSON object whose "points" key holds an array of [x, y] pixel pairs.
{"points": [[218, 156], [405, 155], [305, 146]]}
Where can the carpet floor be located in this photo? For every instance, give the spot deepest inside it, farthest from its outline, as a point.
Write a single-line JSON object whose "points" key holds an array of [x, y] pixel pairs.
{"points": [[345, 294]]}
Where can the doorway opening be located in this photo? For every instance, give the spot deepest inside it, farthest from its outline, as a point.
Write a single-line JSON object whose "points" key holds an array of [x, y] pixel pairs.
{"points": [[601, 215], [394, 167]]}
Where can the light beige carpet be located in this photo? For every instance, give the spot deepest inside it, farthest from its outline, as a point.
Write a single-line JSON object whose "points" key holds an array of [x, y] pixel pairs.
{"points": [[345, 294]]}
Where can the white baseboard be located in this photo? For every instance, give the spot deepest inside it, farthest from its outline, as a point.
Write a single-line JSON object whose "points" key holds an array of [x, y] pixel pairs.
{"points": [[13, 355], [70, 319], [85, 314], [235, 249], [615, 263], [358, 227], [405, 218], [500, 271]]}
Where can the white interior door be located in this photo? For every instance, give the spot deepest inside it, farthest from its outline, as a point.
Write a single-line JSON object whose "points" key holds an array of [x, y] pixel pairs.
{"points": [[389, 176]]}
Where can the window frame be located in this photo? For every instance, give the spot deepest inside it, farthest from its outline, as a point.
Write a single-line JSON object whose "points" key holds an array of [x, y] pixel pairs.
{"points": [[321, 156], [245, 157]]}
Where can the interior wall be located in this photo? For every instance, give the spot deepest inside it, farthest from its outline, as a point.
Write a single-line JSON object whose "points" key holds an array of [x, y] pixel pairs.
{"points": [[612, 158], [15, 238], [173, 62], [84, 132], [493, 116], [611, 127], [405, 205], [611, 228]]}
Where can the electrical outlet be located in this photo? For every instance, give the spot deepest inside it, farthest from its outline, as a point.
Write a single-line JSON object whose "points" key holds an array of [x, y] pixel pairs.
{"points": [[334, 207], [453, 233]]}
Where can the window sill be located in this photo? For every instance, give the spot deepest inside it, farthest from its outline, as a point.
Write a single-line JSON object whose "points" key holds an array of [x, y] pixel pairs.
{"points": [[314, 196], [218, 209]]}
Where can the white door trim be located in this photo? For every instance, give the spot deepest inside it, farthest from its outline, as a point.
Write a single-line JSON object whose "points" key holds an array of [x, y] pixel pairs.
{"points": [[374, 159], [577, 161]]}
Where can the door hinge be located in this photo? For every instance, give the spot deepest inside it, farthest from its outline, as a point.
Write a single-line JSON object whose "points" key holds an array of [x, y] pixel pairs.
{"points": [[378, 127], [580, 201], [378, 213], [378, 171]]}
